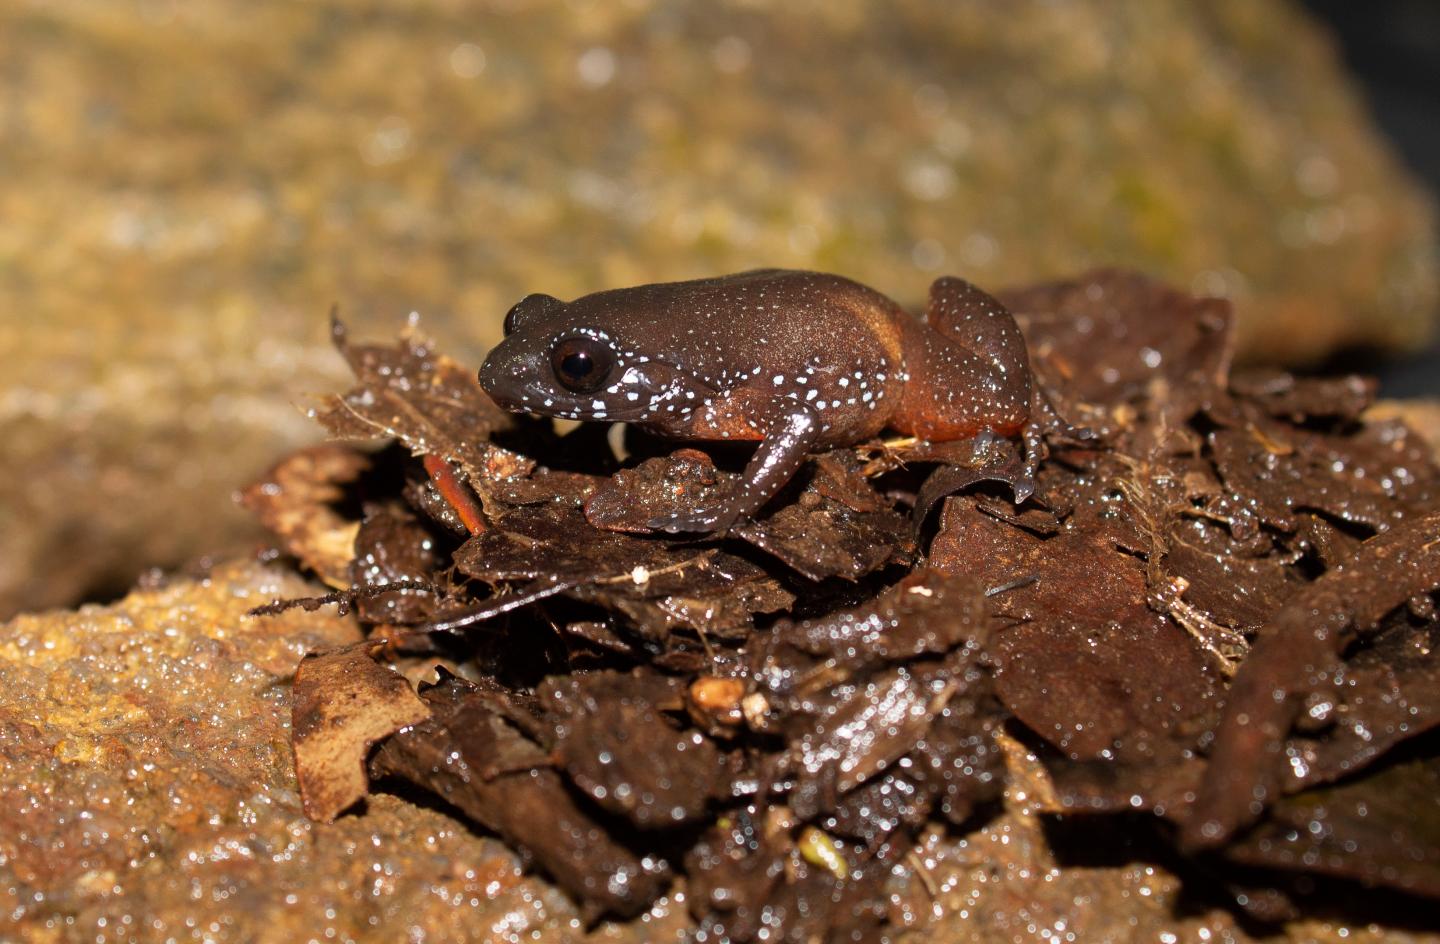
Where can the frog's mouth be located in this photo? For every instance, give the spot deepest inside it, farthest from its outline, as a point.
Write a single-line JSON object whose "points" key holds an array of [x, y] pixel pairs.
{"points": [[537, 397], [603, 407], [643, 392]]}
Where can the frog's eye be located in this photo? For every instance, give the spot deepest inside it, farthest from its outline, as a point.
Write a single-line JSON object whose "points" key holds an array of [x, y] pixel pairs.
{"points": [[529, 309], [581, 364]]}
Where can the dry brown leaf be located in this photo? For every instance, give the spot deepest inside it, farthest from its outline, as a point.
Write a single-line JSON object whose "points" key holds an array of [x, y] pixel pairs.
{"points": [[344, 702]]}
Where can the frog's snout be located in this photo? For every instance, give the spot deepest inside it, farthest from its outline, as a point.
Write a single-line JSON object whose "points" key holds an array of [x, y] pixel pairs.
{"points": [[504, 379], [489, 374]]}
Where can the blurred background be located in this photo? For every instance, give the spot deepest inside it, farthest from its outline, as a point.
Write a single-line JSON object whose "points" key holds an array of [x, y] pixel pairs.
{"points": [[187, 185], [1391, 50]]}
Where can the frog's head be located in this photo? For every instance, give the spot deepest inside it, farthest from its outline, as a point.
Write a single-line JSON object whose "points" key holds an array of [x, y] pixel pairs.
{"points": [[566, 361]]}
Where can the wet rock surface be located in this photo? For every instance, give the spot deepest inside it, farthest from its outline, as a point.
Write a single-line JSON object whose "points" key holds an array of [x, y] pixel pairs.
{"points": [[1208, 637], [189, 187], [148, 790]]}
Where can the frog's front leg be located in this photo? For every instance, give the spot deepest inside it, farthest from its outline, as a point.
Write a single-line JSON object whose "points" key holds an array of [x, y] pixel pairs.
{"points": [[789, 435]]}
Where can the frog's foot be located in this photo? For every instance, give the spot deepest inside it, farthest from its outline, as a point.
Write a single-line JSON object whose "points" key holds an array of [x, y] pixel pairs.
{"points": [[716, 521], [1054, 426], [1045, 424], [1035, 452], [1023, 485]]}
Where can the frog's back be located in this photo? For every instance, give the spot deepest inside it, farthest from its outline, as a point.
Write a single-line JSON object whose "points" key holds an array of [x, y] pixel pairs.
{"points": [[761, 324]]}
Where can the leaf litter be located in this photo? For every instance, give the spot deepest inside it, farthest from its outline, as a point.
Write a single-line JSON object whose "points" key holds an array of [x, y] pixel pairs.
{"points": [[1213, 624]]}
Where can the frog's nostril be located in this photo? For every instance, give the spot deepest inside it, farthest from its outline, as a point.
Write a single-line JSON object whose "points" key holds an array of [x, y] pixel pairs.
{"points": [[489, 376]]}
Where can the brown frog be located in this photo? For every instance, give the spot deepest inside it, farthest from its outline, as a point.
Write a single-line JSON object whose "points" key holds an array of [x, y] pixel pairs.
{"points": [[796, 360]]}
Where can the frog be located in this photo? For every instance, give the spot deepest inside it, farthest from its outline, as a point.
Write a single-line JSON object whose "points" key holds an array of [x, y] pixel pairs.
{"points": [[797, 361]]}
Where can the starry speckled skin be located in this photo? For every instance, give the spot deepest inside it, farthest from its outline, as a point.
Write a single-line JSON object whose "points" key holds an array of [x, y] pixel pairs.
{"points": [[796, 360]]}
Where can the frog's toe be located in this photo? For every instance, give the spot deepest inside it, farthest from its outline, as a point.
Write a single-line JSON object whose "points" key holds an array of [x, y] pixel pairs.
{"points": [[1024, 487]]}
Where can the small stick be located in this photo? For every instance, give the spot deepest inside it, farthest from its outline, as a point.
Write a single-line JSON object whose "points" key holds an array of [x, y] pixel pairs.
{"points": [[494, 608], [455, 493], [1015, 584], [345, 598]]}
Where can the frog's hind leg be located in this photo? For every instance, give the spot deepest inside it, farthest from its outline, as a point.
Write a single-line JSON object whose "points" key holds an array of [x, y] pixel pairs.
{"points": [[977, 321], [967, 368], [976, 346]]}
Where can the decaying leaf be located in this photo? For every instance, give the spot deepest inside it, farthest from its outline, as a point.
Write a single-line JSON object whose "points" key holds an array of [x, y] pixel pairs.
{"points": [[1295, 655], [343, 703], [472, 755], [659, 585], [1383, 830], [622, 751], [295, 500], [426, 401], [1219, 612], [410, 393]]}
